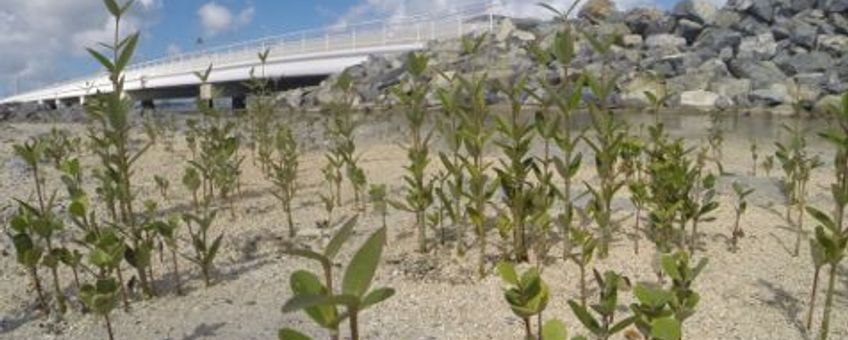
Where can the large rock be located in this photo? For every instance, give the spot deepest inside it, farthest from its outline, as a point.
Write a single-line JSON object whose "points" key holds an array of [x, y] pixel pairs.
{"points": [[699, 11], [726, 18], [689, 82], [632, 40], [762, 9], [689, 29], [750, 25], [836, 44], [664, 41], [828, 104], [773, 95], [834, 6], [799, 32], [633, 91], [716, 39], [699, 99], [648, 21], [597, 10], [759, 47], [806, 63], [761, 73], [731, 87], [839, 22]]}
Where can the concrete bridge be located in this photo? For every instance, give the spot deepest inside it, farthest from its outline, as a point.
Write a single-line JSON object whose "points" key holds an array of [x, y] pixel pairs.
{"points": [[297, 59]]}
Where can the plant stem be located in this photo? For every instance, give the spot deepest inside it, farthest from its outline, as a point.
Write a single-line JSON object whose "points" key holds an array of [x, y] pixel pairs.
{"points": [[60, 297], [124, 294], [36, 281], [354, 325], [108, 326], [528, 333], [828, 302], [583, 285], [813, 298], [176, 272]]}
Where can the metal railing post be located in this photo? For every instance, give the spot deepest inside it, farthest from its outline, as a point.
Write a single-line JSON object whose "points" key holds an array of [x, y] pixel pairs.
{"points": [[491, 21]]}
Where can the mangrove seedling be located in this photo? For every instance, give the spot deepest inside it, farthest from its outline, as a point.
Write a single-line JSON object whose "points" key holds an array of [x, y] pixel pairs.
{"points": [[110, 135], [604, 325], [162, 184], [586, 243], [356, 295], [419, 190], [102, 298], [715, 140], [205, 248], [340, 128], [377, 194], [797, 166], [512, 174], [527, 296], [831, 235], [768, 164], [754, 157], [741, 193], [306, 283], [167, 230], [283, 167]]}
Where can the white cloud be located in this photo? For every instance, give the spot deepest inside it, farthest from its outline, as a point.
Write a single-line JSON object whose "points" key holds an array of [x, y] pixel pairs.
{"points": [[173, 49], [217, 19], [36, 34]]}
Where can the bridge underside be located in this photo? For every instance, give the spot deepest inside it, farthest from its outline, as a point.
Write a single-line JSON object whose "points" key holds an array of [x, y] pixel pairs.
{"points": [[231, 89]]}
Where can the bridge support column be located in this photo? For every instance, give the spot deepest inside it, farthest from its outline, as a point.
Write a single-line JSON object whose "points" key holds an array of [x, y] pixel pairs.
{"points": [[52, 104], [239, 102], [82, 100], [207, 94], [148, 104]]}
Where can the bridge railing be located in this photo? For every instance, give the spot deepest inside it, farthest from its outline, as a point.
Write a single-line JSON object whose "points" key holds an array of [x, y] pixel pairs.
{"points": [[367, 35]]}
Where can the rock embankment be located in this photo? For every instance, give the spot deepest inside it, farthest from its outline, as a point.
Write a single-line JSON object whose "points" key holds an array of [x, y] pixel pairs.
{"points": [[747, 54]]}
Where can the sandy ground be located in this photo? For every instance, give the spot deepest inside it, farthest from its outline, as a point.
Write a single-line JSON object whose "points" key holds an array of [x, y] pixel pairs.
{"points": [[760, 292]]}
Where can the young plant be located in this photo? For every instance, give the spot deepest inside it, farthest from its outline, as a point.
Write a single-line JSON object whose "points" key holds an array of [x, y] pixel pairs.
{"points": [[283, 167], [378, 194], [754, 156], [797, 166], [167, 230], [604, 325], [260, 111], [102, 298], [715, 139], [217, 159], [450, 193], [768, 164], [38, 222], [475, 135], [29, 253], [660, 312], [319, 301], [587, 245], [741, 206], [205, 249], [111, 137], [831, 236], [306, 283], [419, 191], [513, 173], [528, 296], [340, 128], [700, 201], [607, 145], [162, 184]]}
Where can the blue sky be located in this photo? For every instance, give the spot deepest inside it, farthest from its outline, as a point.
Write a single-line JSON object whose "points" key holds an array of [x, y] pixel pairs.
{"points": [[43, 40]]}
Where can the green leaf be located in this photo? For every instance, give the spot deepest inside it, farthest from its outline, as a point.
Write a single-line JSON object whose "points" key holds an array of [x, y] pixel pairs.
{"points": [[113, 8], [127, 52], [341, 236], [290, 334], [305, 283], [669, 265], [554, 330], [376, 296], [363, 265], [585, 318], [102, 59], [507, 272], [667, 328]]}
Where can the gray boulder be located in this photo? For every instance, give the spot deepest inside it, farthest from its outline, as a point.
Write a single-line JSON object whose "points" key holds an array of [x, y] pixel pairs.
{"points": [[699, 99], [689, 29], [773, 95], [839, 22], [762, 9], [750, 25], [664, 40], [648, 21], [761, 73], [699, 11], [731, 87], [689, 82], [726, 18], [806, 63], [833, 6], [799, 32], [715, 39], [836, 44], [739, 5], [758, 47], [632, 40]]}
